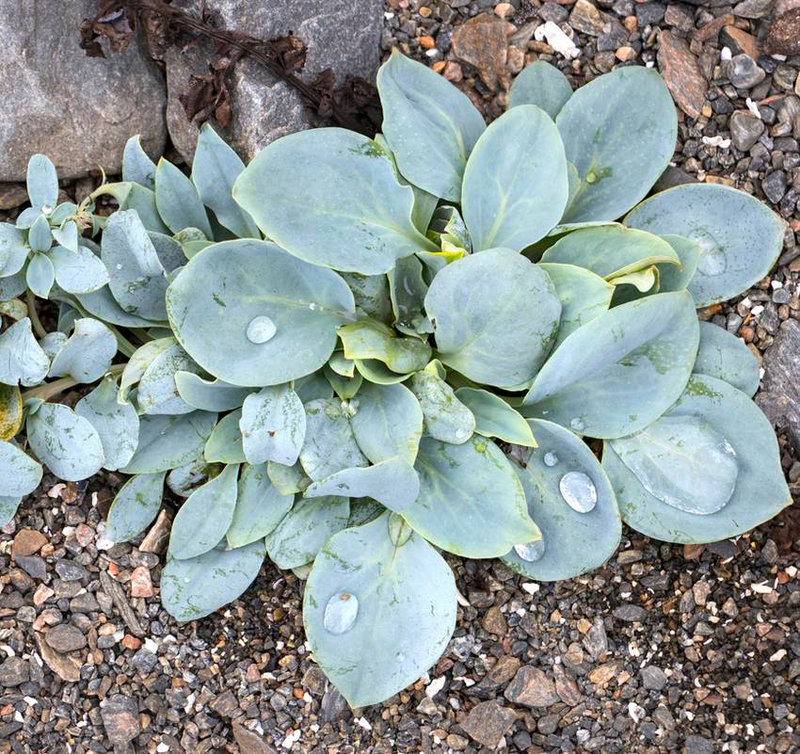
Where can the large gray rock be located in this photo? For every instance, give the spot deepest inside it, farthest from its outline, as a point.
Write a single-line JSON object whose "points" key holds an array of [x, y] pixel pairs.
{"points": [[343, 35], [54, 99], [779, 398]]}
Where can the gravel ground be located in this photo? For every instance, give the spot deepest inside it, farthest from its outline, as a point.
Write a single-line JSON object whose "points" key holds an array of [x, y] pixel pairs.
{"points": [[666, 649]]}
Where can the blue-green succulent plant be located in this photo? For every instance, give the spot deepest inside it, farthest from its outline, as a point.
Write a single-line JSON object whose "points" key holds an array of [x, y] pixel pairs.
{"points": [[355, 354]]}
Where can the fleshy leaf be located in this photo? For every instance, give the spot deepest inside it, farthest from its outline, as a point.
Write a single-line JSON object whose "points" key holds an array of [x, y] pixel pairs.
{"points": [[205, 517], [724, 356], [393, 483], [158, 391], [619, 131], [137, 165], [445, 417], [42, 183], [225, 443], [305, 528], [116, 423], [621, 371], [135, 507], [388, 422], [11, 413], [177, 200], [338, 203], [78, 271], [744, 438], [40, 275], [740, 238], [495, 418], [583, 296], [194, 588], [139, 280], [209, 395], [214, 171], [330, 444], [543, 85], [572, 542], [495, 317], [378, 610], [87, 354], [273, 426], [13, 250], [672, 277], [64, 442], [240, 307], [370, 339], [166, 442], [21, 474], [22, 360], [431, 126], [259, 507], [503, 205], [470, 501]]}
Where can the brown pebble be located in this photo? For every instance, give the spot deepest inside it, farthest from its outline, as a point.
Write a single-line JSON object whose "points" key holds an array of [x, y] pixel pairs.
{"points": [[27, 542], [141, 584], [626, 54], [131, 642], [453, 72], [426, 42]]}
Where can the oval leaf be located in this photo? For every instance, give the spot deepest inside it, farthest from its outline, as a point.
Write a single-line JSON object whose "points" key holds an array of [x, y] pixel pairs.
{"points": [[87, 354], [273, 426], [135, 507], [21, 474], [495, 418], [543, 85], [259, 507]]}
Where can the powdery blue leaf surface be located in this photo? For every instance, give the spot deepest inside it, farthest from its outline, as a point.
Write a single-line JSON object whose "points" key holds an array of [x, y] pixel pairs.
{"points": [[388, 422], [572, 542], [21, 474], [431, 126], [259, 507], [78, 271], [338, 203], [137, 165], [611, 250], [40, 275], [206, 515], [138, 279], [116, 423], [177, 200], [8, 509], [619, 131], [504, 204], [540, 84], [225, 443], [392, 482], [22, 360], [135, 507], [470, 501], [378, 610], [672, 277], [288, 480], [166, 442], [183, 480], [445, 417], [305, 528], [583, 295], [209, 395], [214, 171], [42, 183], [495, 418], [330, 444], [622, 370], [724, 356], [273, 425], [64, 442], [158, 391], [13, 250], [87, 354], [252, 315], [740, 238], [102, 304], [722, 425], [495, 316], [194, 588]]}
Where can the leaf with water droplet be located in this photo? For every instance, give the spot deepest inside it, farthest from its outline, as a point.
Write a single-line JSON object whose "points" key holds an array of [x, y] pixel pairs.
{"points": [[402, 620], [576, 542]]}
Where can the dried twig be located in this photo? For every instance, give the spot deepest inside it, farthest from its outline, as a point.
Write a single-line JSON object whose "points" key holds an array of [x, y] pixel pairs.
{"points": [[353, 105]]}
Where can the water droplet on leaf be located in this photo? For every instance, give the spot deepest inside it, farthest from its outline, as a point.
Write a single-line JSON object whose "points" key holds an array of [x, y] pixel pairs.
{"points": [[260, 330], [530, 551], [578, 491], [340, 613], [550, 459]]}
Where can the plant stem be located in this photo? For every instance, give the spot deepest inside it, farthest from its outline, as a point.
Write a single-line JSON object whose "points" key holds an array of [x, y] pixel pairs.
{"points": [[124, 345], [38, 328], [52, 389]]}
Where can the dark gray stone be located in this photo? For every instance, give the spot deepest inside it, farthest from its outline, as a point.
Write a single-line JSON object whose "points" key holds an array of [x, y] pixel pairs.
{"points": [[54, 99], [13, 672], [33, 565], [65, 638], [698, 745], [653, 678], [70, 571], [779, 398], [745, 129], [630, 613], [743, 72], [343, 35]]}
